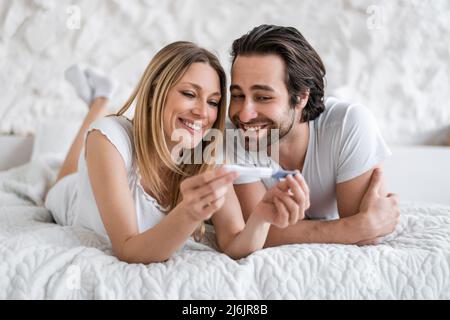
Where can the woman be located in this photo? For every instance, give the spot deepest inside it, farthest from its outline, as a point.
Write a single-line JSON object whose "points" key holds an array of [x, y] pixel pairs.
{"points": [[127, 187]]}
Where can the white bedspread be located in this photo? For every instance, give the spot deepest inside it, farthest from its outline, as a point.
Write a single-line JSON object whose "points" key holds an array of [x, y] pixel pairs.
{"points": [[41, 260]]}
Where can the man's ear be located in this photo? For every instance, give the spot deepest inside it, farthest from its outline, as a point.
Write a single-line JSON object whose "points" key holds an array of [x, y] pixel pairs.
{"points": [[302, 99]]}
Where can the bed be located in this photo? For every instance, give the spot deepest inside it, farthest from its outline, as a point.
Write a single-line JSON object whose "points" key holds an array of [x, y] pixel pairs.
{"points": [[41, 260]]}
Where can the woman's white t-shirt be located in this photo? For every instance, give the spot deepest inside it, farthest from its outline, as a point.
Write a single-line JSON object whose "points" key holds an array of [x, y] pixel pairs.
{"points": [[72, 201], [344, 142]]}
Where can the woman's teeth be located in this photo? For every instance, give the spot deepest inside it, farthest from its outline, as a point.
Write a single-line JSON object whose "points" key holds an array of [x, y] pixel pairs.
{"points": [[193, 126]]}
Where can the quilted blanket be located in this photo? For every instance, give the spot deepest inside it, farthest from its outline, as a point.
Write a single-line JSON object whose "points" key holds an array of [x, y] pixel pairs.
{"points": [[42, 260]]}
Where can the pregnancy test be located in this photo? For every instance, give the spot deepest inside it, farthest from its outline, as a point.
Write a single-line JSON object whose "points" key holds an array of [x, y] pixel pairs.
{"points": [[259, 172]]}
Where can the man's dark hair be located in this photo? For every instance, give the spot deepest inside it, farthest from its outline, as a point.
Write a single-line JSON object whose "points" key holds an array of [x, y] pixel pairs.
{"points": [[304, 68]]}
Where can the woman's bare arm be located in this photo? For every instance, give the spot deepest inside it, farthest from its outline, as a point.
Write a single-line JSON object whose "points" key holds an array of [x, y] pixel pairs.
{"points": [[235, 237], [282, 206], [109, 183]]}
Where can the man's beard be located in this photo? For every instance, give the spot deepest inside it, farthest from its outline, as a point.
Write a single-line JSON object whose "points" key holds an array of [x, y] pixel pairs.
{"points": [[274, 131]]}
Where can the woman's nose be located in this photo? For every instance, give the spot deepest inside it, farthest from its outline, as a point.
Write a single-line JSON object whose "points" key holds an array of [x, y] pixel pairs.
{"points": [[201, 110]]}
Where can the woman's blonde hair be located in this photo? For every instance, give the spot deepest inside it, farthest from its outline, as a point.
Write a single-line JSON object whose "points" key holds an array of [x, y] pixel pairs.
{"points": [[166, 68]]}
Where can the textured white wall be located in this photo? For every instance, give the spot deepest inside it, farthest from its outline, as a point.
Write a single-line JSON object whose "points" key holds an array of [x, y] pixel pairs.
{"points": [[393, 56]]}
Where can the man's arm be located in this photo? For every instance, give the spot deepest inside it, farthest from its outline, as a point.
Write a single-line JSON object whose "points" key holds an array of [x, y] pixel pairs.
{"points": [[349, 194], [305, 231], [344, 231], [365, 225]]}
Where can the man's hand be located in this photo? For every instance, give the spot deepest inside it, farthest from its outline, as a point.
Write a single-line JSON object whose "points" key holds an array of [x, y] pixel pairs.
{"points": [[380, 214], [285, 203]]}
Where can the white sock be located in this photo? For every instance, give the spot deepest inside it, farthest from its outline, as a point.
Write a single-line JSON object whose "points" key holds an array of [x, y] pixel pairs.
{"points": [[76, 76], [102, 86]]}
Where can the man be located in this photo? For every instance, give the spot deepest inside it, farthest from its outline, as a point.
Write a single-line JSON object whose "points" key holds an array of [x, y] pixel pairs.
{"points": [[278, 83]]}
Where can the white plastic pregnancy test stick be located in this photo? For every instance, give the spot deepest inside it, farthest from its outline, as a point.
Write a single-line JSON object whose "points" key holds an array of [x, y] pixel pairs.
{"points": [[259, 172]]}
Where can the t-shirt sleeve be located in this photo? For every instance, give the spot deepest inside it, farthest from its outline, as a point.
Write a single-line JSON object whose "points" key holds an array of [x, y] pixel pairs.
{"points": [[116, 131], [361, 145]]}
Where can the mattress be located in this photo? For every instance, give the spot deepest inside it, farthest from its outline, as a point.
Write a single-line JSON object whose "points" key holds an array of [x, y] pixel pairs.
{"points": [[42, 260]]}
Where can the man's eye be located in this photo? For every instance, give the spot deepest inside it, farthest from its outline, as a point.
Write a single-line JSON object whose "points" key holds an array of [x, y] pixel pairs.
{"points": [[264, 98], [237, 96]]}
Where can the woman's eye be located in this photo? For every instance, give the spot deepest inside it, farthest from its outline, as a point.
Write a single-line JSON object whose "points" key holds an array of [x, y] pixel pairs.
{"points": [[188, 94], [214, 103]]}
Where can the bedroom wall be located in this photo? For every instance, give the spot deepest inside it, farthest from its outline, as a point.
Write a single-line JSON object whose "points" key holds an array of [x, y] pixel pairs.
{"points": [[393, 56]]}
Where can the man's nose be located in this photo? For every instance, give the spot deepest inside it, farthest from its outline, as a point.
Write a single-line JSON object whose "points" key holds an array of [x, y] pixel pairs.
{"points": [[247, 113]]}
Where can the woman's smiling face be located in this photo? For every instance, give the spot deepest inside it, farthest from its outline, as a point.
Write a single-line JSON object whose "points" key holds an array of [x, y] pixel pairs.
{"points": [[191, 107]]}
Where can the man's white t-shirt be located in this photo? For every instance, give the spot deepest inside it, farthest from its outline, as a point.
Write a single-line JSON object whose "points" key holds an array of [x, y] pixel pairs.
{"points": [[344, 142]]}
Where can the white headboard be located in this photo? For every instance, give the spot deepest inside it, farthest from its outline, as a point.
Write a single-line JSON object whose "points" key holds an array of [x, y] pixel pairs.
{"points": [[15, 150], [420, 173]]}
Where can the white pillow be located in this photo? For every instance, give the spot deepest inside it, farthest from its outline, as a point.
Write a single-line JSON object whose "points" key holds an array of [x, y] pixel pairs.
{"points": [[54, 137]]}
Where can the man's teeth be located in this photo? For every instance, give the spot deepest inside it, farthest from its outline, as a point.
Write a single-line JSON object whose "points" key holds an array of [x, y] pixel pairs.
{"points": [[253, 128], [193, 126]]}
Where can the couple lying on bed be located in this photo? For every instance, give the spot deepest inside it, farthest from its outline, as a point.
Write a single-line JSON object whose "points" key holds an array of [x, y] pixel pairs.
{"points": [[120, 177]]}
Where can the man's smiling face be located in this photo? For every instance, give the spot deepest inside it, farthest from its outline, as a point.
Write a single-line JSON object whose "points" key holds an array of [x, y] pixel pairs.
{"points": [[259, 96]]}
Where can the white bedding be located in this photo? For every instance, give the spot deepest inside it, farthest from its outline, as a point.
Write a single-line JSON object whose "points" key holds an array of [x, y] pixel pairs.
{"points": [[41, 260]]}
